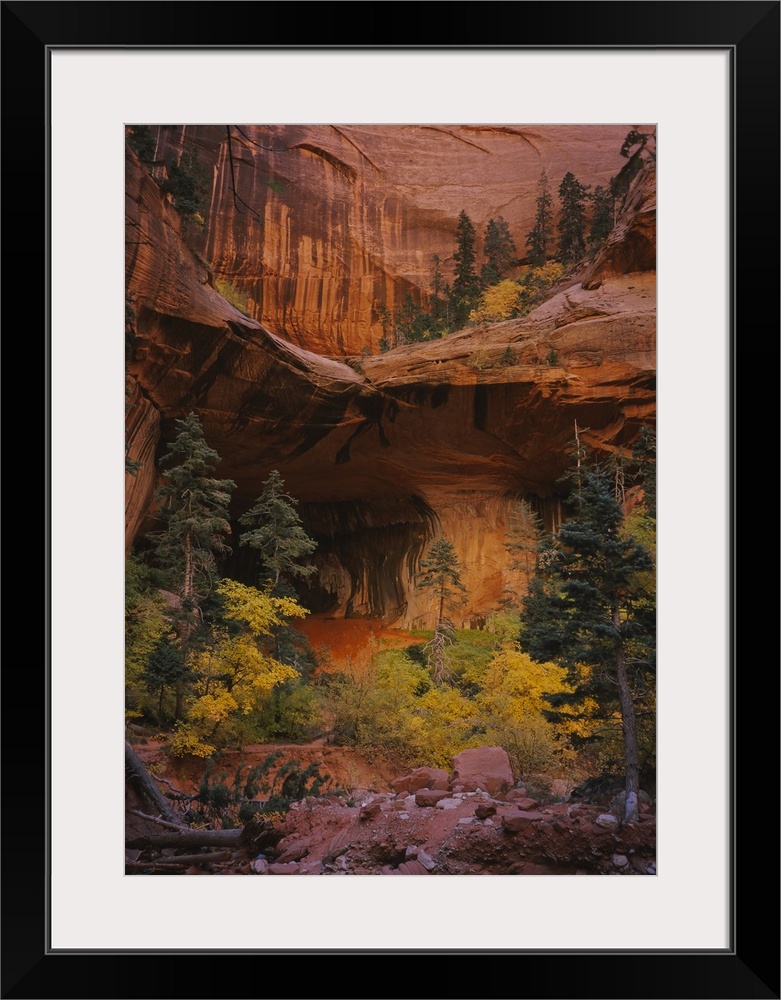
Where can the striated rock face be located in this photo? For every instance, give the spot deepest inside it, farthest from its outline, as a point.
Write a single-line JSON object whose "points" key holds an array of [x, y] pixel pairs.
{"points": [[386, 452], [322, 225]]}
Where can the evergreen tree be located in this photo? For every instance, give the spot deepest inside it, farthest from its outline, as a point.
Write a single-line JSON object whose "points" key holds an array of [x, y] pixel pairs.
{"points": [[500, 251], [164, 668], [587, 610], [438, 292], [277, 534], [523, 539], [411, 322], [188, 184], [539, 240], [634, 138], [441, 572], [195, 512], [466, 285], [141, 139], [572, 223], [644, 454], [602, 219]]}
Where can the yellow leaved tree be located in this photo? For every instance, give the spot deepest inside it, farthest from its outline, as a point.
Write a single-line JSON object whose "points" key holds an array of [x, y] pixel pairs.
{"points": [[498, 302], [513, 697], [236, 672]]}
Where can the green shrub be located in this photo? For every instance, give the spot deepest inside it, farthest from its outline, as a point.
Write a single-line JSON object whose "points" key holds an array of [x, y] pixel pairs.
{"points": [[232, 294], [187, 183], [140, 139], [267, 790]]}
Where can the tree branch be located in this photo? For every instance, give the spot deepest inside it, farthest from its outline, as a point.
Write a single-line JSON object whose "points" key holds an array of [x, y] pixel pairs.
{"points": [[160, 822]]}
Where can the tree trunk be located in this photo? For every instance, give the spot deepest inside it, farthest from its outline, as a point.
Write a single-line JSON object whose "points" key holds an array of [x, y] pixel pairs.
{"points": [[190, 838], [187, 591], [147, 785], [629, 727]]}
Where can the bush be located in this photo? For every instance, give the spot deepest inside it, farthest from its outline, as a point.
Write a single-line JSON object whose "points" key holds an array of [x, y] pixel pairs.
{"points": [[140, 139], [233, 295], [498, 302], [267, 790], [187, 183], [481, 360], [184, 741]]}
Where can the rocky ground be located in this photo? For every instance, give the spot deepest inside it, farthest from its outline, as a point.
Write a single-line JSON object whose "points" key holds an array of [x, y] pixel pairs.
{"points": [[471, 820]]}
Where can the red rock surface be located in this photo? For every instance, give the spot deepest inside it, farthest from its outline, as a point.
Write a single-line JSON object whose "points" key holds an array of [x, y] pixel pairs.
{"points": [[320, 225], [390, 450], [479, 836]]}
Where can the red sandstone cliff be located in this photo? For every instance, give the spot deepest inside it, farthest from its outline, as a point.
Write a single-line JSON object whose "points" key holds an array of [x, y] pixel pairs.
{"points": [[388, 450]]}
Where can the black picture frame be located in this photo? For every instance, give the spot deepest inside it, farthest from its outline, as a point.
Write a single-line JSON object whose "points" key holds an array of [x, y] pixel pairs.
{"points": [[750, 967]]}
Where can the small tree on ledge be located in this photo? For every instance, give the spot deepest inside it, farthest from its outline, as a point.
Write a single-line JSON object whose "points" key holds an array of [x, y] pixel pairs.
{"points": [[441, 572]]}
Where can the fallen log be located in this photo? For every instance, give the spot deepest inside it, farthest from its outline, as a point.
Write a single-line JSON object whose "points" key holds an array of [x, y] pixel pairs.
{"points": [[189, 838], [181, 860], [146, 786]]}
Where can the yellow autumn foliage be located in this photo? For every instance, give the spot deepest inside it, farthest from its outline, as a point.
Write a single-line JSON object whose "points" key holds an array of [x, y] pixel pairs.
{"points": [[497, 302], [513, 699], [260, 612], [235, 673]]}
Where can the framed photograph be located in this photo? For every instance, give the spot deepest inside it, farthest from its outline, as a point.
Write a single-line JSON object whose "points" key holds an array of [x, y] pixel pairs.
{"points": [[698, 76]]}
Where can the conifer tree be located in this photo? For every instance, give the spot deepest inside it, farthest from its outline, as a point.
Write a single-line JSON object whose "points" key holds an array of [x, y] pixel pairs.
{"points": [[195, 512], [277, 534], [539, 240], [437, 304], [500, 251], [523, 539], [587, 611], [466, 285], [572, 223], [164, 667], [644, 454], [602, 219], [441, 572]]}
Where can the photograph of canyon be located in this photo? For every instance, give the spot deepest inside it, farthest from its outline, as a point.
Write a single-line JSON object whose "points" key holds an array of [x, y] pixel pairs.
{"points": [[390, 508]]}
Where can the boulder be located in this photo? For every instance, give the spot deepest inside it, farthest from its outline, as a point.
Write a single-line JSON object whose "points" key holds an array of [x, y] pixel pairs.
{"points": [[421, 777], [430, 796], [485, 768], [515, 822]]}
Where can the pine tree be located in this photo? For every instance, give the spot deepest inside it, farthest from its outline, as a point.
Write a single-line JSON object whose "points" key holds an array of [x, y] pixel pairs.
{"points": [[188, 184], [602, 219], [572, 223], [500, 251], [141, 139], [437, 304], [466, 285], [165, 667], [195, 512], [644, 454], [539, 240], [441, 572], [523, 539], [587, 610], [277, 534]]}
